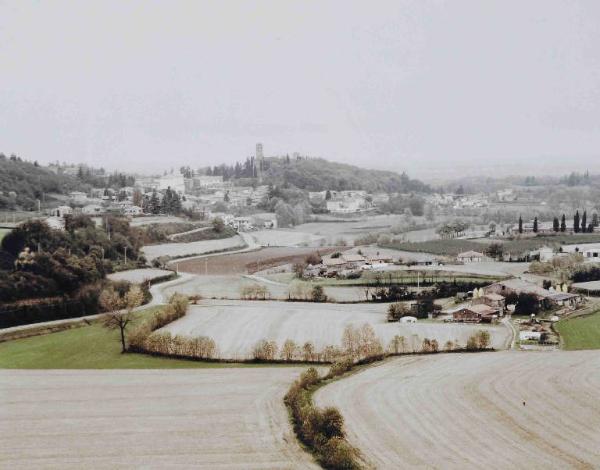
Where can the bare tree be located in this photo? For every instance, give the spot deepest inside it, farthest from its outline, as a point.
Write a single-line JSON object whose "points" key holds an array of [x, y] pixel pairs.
{"points": [[289, 350], [119, 309]]}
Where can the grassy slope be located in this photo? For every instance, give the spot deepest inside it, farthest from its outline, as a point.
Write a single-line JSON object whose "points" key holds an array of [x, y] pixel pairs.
{"points": [[89, 347], [3, 232], [580, 332]]}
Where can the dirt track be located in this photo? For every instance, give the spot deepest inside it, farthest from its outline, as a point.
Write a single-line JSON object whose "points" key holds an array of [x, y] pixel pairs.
{"points": [[217, 418], [467, 411]]}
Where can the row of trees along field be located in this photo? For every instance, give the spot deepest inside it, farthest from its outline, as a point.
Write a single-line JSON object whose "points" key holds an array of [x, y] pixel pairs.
{"points": [[580, 223]]}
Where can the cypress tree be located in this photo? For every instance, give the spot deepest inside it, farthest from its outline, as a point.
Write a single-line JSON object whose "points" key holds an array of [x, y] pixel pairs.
{"points": [[576, 222], [520, 224], [584, 222], [535, 225], [556, 224], [563, 224]]}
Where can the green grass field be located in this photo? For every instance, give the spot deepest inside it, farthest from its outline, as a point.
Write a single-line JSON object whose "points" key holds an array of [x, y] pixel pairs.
{"points": [[3, 232], [580, 332], [88, 347]]}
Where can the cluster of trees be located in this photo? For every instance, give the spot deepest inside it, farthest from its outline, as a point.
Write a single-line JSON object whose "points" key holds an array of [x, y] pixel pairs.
{"points": [[98, 178], [169, 203], [409, 205], [37, 261], [246, 169], [586, 273], [576, 179], [452, 229], [289, 215]]}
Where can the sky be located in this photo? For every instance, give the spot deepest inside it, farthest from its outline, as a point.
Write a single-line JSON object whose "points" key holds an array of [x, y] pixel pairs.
{"points": [[434, 88]]}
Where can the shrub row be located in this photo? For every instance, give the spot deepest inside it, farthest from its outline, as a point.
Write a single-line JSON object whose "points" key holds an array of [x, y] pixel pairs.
{"points": [[320, 429], [175, 309]]}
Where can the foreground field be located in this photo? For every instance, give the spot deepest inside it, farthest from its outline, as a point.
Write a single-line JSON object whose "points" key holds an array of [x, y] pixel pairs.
{"points": [[580, 332], [228, 418], [490, 410], [237, 326]]}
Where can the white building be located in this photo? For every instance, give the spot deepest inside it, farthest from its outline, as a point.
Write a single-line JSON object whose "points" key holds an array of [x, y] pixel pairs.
{"points": [[470, 257], [589, 251], [208, 182], [175, 181]]}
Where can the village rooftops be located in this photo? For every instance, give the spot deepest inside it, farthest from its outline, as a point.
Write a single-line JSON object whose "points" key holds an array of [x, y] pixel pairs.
{"points": [[519, 286]]}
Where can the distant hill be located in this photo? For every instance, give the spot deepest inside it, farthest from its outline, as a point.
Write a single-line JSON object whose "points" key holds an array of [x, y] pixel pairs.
{"points": [[317, 174], [22, 183]]}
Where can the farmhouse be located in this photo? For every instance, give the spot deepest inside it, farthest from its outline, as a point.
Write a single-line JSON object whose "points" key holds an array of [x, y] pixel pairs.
{"points": [[544, 296], [590, 251], [470, 257], [476, 314]]}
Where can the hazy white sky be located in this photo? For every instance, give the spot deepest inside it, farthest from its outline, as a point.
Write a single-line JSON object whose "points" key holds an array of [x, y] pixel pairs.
{"points": [[402, 85]]}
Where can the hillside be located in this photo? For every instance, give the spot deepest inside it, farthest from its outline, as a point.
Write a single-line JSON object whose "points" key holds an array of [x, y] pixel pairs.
{"points": [[30, 182], [319, 174]]}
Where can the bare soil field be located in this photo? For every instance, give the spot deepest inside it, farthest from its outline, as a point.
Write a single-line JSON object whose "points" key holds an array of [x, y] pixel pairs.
{"points": [[193, 248], [349, 230], [227, 418], [220, 287], [248, 262], [489, 410], [236, 326], [138, 276]]}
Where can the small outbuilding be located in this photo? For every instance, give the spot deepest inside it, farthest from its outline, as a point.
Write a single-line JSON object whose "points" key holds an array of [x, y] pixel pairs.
{"points": [[470, 257], [408, 319]]}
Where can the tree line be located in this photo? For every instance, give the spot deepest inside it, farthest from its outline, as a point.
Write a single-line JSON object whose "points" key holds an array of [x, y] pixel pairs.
{"points": [[580, 223]]}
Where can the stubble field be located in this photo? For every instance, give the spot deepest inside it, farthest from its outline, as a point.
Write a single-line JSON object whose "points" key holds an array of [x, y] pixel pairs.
{"points": [[491, 410], [228, 418], [237, 326]]}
